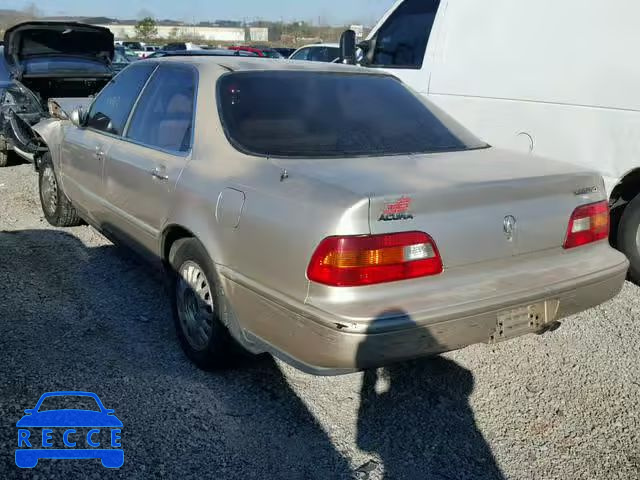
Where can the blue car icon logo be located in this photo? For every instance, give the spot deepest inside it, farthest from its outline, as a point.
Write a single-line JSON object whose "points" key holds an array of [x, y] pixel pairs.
{"points": [[92, 431]]}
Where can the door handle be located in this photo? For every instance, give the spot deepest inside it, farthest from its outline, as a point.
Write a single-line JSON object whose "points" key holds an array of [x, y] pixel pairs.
{"points": [[159, 173], [99, 153]]}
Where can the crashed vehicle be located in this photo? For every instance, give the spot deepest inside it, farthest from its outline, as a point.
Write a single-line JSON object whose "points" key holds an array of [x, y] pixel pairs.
{"points": [[41, 60], [325, 213]]}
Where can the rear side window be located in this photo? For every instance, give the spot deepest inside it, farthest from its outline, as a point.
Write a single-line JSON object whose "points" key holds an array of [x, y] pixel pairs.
{"points": [[110, 110], [310, 114], [301, 55], [402, 39], [164, 115], [324, 54]]}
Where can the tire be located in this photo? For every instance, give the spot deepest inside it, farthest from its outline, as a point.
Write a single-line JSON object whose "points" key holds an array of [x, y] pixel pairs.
{"points": [[198, 313], [628, 241], [4, 153], [56, 207]]}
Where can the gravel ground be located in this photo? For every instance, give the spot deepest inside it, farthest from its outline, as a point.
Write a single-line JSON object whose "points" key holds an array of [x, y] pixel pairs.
{"points": [[78, 313]]}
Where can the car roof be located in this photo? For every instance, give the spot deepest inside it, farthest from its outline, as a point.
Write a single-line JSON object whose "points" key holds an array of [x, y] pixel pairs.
{"points": [[243, 64], [332, 45]]}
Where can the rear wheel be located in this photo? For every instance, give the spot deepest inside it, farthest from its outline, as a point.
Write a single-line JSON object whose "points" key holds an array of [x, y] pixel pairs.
{"points": [[56, 207], [628, 241], [199, 307]]}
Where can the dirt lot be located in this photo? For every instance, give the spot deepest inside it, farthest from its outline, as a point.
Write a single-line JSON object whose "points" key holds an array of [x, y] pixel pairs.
{"points": [[78, 313]]}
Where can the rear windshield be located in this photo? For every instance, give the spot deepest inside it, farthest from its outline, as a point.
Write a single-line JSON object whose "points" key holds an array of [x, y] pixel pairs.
{"points": [[311, 114]]}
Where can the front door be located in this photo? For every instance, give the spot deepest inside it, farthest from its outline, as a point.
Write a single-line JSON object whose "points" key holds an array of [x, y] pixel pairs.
{"points": [[85, 149], [82, 161], [143, 167]]}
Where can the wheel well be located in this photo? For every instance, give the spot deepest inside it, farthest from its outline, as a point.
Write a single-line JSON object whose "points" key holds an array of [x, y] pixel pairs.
{"points": [[625, 191], [171, 235]]}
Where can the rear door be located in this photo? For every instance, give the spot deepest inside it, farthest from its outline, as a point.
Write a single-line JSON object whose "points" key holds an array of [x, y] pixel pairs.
{"points": [[85, 149], [143, 167], [399, 44]]}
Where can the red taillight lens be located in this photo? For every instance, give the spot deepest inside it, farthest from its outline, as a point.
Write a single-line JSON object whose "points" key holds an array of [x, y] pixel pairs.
{"points": [[369, 259], [588, 224]]}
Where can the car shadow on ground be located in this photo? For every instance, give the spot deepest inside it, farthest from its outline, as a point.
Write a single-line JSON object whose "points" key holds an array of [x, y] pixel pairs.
{"points": [[416, 416], [74, 317]]}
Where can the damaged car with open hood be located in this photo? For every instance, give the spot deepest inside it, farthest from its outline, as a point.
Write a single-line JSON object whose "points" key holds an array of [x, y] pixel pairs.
{"points": [[44, 60]]}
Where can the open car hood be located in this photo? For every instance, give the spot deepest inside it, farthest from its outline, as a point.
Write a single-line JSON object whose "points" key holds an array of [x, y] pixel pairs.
{"points": [[37, 39]]}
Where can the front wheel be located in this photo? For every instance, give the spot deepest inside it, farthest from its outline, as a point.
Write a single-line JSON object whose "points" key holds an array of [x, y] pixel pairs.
{"points": [[56, 207], [628, 241], [4, 153], [199, 307]]}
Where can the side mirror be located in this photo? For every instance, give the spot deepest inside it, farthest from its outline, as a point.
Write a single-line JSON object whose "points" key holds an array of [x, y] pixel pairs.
{"points": [[77, 117], [29, 411], [348, 47], [109, 411]]}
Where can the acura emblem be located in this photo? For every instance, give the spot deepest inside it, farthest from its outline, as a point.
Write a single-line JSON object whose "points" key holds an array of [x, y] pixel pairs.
{"points": [[509, 226]]}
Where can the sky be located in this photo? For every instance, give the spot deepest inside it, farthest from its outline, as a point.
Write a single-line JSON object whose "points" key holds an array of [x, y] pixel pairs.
{"points": [[335, 12]]}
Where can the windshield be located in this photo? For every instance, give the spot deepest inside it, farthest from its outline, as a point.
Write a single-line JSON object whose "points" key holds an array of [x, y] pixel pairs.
{"points": [[4, 68], [58, 65], [311, 114]]}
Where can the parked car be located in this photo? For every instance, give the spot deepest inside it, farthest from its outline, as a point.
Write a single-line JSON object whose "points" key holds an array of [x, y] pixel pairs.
{"points": [[320, 52], [135, 46], [532, 92], [220, 52], [130, 55], [325, 213], [259, 51], [42, 60], [181, 46], [119, 60], [285, 52]]}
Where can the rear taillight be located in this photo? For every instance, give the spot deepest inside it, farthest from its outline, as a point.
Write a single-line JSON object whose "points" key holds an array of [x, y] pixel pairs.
{"points": [[369, 259], [588, 224]]}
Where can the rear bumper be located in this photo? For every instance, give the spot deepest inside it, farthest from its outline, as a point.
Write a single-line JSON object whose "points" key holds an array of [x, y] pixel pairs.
{"points": [[324, 343]]}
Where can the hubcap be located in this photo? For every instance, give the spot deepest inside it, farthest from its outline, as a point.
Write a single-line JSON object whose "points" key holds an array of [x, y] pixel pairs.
{"points": [[195, 305], [49, 189]]}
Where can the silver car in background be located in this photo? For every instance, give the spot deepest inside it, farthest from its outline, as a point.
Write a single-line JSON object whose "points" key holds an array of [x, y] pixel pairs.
{"points": [[326, 214]]}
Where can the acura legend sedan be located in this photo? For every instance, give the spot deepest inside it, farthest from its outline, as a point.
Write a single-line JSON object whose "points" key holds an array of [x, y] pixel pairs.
{"points": [[324, 213]]}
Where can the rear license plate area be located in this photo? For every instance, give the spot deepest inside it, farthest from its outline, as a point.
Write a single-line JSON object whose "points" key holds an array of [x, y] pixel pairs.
{"points": [[525, 319]]}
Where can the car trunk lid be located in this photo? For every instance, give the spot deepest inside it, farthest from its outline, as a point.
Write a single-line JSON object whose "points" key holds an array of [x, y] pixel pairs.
{"points": [[477, 205], [36, 39]]}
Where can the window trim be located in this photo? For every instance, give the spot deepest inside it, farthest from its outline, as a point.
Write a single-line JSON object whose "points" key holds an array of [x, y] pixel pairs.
{"points": [[426, 48], [113, 135], [176, 153]]}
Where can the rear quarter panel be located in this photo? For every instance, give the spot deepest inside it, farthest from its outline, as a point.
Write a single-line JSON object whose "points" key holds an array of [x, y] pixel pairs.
{"points": [[281, 221]]}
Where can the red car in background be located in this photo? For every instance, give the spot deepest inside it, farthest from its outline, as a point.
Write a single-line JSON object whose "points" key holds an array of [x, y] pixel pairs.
{"points": [[260, 51]]}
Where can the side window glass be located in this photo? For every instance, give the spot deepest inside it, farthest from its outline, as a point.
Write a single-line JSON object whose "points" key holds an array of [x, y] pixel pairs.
{"points": [[110, 110], [164, 115], [402, 40], [319, 54], [302, 54]]}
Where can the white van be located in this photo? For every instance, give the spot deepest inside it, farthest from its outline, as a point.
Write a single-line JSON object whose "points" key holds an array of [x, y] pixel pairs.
{"points": [[556, 78]]}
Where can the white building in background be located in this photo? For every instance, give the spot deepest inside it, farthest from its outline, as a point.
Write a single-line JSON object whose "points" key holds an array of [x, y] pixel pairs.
{"points": [[359, 29], [259, 34], [216, 34]]}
